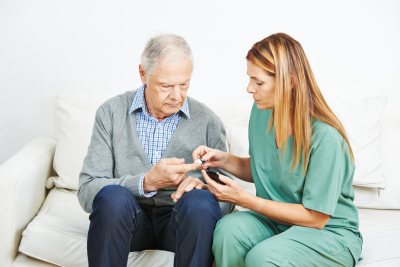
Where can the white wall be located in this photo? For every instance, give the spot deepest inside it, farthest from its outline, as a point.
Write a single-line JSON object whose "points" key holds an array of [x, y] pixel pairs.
{"points": [[47, 47]]}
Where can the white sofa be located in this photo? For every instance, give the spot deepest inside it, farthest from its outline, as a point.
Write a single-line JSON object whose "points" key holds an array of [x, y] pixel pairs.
{"points": [[42, 223]]}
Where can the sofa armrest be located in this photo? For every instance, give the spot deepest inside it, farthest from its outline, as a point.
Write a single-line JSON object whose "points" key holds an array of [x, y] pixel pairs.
{"points": [[22, 192]]}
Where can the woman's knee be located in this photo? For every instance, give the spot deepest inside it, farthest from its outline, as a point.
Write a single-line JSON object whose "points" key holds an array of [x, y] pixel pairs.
{"points": [[229, 229], [264, 256]]}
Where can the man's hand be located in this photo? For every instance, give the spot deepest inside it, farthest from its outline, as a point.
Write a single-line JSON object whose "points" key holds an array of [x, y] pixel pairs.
{"points": [[167, 173], [188, 184]]}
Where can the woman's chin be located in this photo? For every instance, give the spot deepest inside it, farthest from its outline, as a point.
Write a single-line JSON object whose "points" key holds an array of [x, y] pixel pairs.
{"points": [[262, 106]]}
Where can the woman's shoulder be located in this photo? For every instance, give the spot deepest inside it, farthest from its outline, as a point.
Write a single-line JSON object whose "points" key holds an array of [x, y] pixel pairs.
{"points": [[323, 133]]}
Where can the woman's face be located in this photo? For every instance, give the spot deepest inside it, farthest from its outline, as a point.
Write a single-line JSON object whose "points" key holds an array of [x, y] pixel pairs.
{"points": [[261, 85]]}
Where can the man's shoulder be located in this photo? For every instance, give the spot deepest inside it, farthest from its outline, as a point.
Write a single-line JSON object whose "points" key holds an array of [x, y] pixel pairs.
{"points": [[119, 103], [199, 111]]}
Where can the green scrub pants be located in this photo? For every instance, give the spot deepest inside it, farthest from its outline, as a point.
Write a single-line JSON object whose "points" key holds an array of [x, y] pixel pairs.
{"points": [[250, 239]]}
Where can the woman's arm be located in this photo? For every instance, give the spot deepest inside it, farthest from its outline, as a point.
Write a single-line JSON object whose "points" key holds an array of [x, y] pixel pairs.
{"points": [[239, 167], [285, 213]]}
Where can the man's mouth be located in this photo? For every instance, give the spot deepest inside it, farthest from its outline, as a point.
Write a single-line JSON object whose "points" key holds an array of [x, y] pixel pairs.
{"points": [[173, 105]]}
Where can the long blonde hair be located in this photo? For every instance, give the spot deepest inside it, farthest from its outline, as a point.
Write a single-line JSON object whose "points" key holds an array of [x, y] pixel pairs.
{"points": [[283, 57]]}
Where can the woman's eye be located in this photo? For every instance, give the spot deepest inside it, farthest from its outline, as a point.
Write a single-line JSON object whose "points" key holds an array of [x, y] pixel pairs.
{"points": [[260, 83]]}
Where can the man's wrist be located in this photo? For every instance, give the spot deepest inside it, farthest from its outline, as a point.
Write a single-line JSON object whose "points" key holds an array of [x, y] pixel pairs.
{"points": [[146, 187]]}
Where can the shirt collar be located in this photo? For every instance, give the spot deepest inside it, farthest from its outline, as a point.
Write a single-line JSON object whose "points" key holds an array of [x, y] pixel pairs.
{"points": [[139, 102]]}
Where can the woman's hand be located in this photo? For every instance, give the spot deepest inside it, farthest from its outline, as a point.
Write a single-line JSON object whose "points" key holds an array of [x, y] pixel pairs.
{"points": [[216, 158], [232, 192]]}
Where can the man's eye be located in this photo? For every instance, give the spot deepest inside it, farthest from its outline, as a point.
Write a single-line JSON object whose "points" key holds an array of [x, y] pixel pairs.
{"points": [[260, 83]]}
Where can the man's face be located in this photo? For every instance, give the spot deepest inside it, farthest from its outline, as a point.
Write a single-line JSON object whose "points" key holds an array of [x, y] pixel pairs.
{"points": [[167, 86]]}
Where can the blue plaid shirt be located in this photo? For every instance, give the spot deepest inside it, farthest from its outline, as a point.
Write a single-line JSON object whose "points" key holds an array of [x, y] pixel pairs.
{"points": [[154, 135]]}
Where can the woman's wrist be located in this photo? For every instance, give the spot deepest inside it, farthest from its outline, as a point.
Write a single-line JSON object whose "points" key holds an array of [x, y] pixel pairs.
{"points": [[224, 162]]}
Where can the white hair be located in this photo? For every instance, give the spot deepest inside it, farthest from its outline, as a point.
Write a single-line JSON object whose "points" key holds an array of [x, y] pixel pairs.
{"points": [[163, 46]]}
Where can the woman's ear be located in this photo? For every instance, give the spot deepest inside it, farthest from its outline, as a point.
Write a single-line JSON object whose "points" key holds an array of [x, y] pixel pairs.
{"points": [[292, 82]]}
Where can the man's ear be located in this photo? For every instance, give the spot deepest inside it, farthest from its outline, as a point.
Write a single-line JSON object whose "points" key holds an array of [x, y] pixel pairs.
{"points": [[142, 73]]}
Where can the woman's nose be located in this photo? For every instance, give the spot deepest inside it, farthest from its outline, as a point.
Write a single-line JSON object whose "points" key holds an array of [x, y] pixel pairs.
{"points": [[250, 90]]}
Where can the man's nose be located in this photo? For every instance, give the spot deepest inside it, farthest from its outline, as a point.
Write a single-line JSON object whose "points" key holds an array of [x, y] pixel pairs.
{"points": [[176, 94]]}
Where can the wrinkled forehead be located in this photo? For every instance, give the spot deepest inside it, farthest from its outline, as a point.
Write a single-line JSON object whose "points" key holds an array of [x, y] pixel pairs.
{"points": [[172, 71]]}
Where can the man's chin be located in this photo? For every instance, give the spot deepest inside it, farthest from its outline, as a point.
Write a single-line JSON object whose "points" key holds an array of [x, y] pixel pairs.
{"points": [[171, 111]]}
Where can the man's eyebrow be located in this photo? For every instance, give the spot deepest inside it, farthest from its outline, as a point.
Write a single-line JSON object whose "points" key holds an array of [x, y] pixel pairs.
{"points": [[167, 84]]}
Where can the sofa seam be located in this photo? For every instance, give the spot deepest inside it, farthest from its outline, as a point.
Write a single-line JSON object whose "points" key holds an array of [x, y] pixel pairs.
{"points": [[38, 258], [55, 230], [379, 261]]}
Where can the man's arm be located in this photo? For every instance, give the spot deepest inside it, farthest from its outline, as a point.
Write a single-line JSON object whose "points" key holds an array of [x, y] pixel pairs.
{"points": [[98, 165]]}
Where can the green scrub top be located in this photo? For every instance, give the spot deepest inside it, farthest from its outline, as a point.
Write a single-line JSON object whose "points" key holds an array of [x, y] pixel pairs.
{"points": [[327, 185]]}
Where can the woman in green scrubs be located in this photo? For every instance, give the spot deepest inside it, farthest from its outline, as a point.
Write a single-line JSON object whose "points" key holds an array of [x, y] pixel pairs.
{"points": [[301, 164]]}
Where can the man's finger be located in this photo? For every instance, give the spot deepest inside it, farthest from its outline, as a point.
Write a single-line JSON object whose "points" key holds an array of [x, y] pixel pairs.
{"points": [[173, 161], [190, 186], [184, 168], [179, 192], [202, 186]]}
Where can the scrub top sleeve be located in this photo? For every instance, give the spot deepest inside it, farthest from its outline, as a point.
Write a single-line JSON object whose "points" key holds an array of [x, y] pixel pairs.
{"points": [[324, 178]]}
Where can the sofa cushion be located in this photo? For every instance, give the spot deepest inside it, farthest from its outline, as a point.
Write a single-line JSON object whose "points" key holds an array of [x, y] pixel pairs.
{"points": [[360, 118], [74, 119], [389, 198], [58, 235], [381, 233]]}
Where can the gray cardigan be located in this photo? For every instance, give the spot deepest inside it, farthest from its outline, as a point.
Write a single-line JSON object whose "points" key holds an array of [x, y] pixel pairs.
{"points": [[116, 155]]}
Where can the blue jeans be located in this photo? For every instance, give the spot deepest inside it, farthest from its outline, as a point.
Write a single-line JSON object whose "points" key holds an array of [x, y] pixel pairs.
{"points": [[118, 225]]}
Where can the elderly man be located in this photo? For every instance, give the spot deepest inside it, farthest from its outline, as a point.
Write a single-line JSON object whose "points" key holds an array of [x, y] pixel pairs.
{"points": [[138, 180]]}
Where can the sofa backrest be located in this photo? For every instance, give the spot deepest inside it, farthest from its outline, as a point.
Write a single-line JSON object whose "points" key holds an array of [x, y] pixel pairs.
{"points": [[75, 114]]}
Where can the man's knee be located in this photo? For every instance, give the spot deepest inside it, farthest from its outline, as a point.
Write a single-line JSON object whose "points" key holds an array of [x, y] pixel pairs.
{"points": [[199, 200], [113, 200], [197, 205]]}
